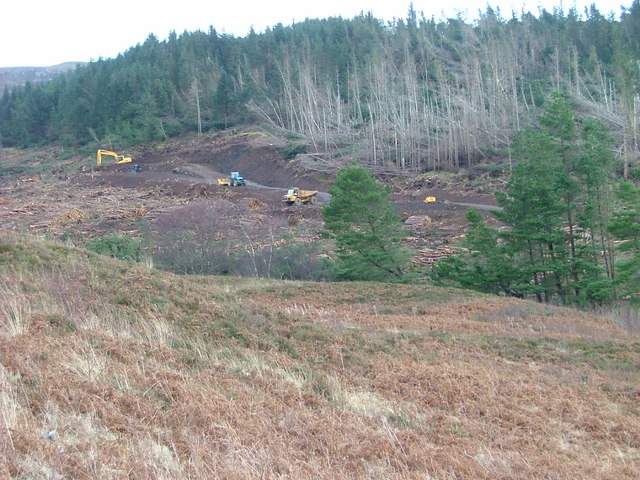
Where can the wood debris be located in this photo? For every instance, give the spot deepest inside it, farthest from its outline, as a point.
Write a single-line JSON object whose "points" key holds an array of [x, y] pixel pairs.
{"points": [[418, 222], [136, 213], [255, 205], [72, 215]]}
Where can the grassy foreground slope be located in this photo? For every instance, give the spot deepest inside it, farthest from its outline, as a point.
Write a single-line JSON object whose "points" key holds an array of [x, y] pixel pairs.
{"points": [[143, 374]]}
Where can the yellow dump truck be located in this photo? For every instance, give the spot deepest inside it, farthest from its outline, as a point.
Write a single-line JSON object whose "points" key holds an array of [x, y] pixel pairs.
{"points": [[295, 196]]}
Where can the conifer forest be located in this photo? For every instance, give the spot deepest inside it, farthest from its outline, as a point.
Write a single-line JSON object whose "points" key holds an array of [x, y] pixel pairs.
{"points": [[414, 94]]}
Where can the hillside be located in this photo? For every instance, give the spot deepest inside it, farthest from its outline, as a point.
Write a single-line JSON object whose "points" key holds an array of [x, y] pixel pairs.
{"points": [[411, 95], [227, 351], [144, 374]]}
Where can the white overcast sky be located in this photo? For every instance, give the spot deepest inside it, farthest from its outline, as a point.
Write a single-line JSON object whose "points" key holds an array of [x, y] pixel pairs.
{"points": [[49, 32]]}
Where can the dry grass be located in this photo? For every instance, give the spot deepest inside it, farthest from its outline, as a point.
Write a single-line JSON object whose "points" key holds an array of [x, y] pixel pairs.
{"points": [[15, 311], [148, 375]]}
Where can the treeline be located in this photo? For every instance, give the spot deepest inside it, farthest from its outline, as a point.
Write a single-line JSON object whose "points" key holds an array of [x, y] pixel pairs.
{"points": [[413, 94]]}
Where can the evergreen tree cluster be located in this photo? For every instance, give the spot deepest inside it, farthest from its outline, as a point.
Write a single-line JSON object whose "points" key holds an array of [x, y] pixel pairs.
{"points": [[562, 213], [412, 94]]}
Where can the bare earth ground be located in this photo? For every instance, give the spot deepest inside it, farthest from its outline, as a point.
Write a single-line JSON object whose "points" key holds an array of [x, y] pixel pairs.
{"points": [[177, 179]]}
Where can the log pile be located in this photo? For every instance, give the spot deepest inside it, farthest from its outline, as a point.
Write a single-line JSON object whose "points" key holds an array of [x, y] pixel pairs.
{"points": [[429, 256]]}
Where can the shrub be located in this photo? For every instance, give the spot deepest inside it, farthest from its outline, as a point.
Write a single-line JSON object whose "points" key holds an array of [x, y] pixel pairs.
{"points": [[122, 247]]}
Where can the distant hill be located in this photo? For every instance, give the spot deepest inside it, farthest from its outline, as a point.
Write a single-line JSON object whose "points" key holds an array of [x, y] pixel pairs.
{"points": [[10, 76]]}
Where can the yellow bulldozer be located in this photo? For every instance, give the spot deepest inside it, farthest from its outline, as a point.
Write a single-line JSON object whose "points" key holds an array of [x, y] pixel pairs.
{"points": [[118, 158], [295, 196]]}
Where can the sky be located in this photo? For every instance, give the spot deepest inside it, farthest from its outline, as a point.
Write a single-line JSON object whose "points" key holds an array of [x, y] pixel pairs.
{"points": [[50, 32]]}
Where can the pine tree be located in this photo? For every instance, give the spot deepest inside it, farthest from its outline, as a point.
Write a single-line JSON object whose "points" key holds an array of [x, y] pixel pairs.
{"points": [[556, 209], [485, 264], [625, 226], [366, 228], [594, 255], [534, 209], [556, 206]]}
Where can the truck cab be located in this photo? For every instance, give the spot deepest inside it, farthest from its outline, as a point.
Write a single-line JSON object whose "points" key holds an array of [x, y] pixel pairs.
{"points": [[236, 179]]}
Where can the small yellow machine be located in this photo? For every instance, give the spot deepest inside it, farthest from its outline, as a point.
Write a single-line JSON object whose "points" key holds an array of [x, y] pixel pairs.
{"points": [[430, 200]]}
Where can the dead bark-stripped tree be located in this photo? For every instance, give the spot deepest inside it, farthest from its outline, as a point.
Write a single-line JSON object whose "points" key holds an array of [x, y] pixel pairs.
{"points": [[432, 96], [289, 103], [378, 106]]}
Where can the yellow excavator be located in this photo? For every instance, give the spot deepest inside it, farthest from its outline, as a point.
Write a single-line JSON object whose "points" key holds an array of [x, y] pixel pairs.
{"points": [[119, 158]]}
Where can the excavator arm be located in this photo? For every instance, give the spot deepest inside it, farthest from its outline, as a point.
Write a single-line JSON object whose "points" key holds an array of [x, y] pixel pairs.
{"points": [[118, 158]]}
